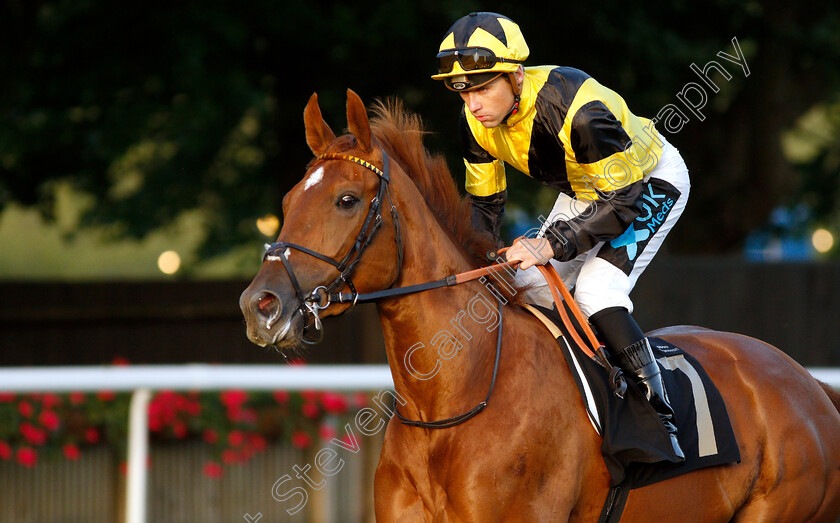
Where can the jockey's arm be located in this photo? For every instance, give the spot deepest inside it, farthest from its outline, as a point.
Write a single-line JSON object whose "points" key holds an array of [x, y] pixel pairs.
{"points": [[487, 214], [604, 219]]}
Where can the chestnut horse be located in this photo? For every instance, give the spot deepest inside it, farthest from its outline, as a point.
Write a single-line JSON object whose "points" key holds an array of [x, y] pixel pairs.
{"points": [[531, 454]]}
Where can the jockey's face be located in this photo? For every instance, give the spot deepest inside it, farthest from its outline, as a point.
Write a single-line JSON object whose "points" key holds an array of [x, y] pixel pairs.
{"points": [[490, 103]]}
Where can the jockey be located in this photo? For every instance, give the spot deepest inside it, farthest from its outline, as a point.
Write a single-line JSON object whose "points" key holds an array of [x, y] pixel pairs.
{"points": [[622, 185]]}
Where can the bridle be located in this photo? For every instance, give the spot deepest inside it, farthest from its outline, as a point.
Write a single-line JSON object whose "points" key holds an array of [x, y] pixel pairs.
{"points": [[321, 297]]}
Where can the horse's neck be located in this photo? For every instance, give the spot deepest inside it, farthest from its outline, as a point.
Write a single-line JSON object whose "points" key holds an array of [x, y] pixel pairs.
{"points": [[440, 343]]}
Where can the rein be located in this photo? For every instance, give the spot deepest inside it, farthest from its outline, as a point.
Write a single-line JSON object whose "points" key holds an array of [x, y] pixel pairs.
{"points": [[455, 420], [318, 299], [449, 281], [323, 296]]}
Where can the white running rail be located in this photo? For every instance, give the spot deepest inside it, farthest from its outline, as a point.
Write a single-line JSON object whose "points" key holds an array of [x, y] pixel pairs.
{"points": [[144, 379]]}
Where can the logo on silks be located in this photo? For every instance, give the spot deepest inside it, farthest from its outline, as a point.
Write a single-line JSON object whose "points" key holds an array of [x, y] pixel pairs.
{"points": [[657, 211], [629, 239], [657, 200]]}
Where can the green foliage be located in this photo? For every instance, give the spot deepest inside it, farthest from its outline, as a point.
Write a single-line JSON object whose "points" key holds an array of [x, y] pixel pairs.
{"points": [[236, 423], [38, 426], [814, 148]]}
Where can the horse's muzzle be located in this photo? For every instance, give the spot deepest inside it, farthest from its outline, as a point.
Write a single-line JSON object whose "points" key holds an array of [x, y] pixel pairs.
{"points": [[267, 322]]}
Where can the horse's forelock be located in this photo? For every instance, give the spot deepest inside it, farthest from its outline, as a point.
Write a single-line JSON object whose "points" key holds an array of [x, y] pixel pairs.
{"points": [[401, 134]]}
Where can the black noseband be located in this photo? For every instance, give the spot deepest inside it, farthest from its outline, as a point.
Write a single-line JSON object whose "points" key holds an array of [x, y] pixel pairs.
{"points": [[319, 298]]}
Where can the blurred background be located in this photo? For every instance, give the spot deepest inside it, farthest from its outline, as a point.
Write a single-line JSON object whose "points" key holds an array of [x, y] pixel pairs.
{"points": [[145, 149]]}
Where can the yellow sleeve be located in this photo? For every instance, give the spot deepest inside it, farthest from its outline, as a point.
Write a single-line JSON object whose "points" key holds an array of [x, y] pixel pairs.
{"points": [[486, 178]]}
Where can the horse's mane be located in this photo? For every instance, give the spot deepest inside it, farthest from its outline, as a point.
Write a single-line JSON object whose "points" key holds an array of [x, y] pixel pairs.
{"points": [[401, 133]]}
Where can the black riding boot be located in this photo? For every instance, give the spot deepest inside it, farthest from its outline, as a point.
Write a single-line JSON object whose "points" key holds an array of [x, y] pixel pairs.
{"points": [[618, 329]]}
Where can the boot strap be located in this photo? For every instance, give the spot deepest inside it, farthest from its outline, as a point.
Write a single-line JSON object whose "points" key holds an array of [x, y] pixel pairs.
{"points": [[636, 356]]}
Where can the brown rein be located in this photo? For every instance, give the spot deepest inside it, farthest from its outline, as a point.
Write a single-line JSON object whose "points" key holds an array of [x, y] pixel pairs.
{"points": [[591, 346], [321, 297]]}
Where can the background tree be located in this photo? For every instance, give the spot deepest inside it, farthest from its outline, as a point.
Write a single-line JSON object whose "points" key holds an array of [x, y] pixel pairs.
{"points": [[155, 108]]}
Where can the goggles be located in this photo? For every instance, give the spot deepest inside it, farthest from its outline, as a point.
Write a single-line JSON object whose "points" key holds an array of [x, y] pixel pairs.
{"points": [[470, 58]]}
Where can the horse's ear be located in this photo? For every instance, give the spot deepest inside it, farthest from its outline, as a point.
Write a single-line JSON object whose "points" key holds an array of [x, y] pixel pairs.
{"points": [[318, 133], [357, 120]]}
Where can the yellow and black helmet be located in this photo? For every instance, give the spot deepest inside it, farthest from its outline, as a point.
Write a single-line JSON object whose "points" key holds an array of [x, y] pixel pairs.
{"points": [[478, 48]]}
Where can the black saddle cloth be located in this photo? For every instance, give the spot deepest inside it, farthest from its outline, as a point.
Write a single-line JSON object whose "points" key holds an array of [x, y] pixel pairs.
{"points": [[636, 447]]}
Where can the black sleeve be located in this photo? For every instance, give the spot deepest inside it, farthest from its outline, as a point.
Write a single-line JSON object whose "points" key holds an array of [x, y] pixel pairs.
{"points": [[604, 219], [487, 214]]}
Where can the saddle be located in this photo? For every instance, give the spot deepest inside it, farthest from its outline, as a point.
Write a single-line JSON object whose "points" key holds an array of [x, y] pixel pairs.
{"points": [[636, 446]]}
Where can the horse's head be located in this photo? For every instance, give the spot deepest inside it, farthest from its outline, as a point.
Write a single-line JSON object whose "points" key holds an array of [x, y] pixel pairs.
{"points": [[339, 234]]}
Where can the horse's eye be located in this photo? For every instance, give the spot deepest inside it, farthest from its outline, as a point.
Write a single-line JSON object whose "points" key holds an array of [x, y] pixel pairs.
{"points": [[348, 201]]}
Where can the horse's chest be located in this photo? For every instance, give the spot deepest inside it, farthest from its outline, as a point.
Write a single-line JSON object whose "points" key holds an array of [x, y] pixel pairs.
{"points": [[477, 478]]}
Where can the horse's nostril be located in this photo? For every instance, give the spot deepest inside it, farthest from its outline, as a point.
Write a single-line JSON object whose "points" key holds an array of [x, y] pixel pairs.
{"points": [[265, 304]]}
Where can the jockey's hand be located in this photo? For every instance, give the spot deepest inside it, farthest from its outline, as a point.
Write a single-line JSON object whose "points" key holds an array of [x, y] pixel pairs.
{"points": [[530, 252]]}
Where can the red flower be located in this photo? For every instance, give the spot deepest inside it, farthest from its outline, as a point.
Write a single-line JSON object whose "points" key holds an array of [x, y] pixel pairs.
{"points": [[233, 399], [7, 397], [166, 396], [301, 440], [33, 434], [27, 456], [327, 432], [248, 415], [106, 395], [155, 409], [71, 451], [5, 451], [210, 436], [234, 414], [92, 435], [49, 420], [162, 409], [181, 402], [50, 401], [309, 395], [77, 398], [360, 400], [236, 438], [193, 408], [310, 410], [245, 454], [229, 456], [334, 403], [26, 409], [179, 429], [257, 442], [212, 469], [281, 397]]}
